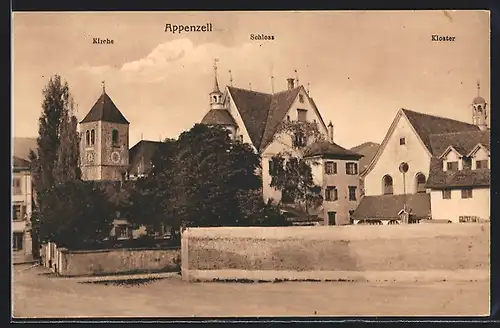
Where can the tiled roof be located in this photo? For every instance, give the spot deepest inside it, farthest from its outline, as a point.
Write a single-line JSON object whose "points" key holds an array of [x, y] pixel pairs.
{"points": [[368, 150], [142, 153], [464, 142], [22, 147], [105, 110], [425, 125], [439, 179], [218, 116], [262, 112], [388, 206], [331, 150], [19, 163]]}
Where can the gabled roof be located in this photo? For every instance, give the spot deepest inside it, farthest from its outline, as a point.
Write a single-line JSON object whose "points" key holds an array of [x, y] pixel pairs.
{"points": [[262, 113], [218, 117], [142, 154], [424, 126], [20, 164], [330, 150], [448, 150], [475, 149], [368, 150], [105, 110], [388, 206], [463, 141]]}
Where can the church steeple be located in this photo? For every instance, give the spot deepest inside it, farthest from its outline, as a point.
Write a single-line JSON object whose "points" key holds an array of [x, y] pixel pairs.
{"points": [[216, 94], [479, 110]]}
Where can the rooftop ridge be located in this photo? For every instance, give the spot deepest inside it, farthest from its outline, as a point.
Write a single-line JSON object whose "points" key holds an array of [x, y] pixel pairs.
{"points": [[431, 115], [457, 132]]}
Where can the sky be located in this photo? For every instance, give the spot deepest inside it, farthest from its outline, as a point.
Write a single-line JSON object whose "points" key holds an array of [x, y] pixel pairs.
{"points": [[361, 66]]}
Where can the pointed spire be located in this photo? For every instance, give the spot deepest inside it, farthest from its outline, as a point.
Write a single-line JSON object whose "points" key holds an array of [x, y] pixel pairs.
{"points": [[308, 85], [250, 86], [230, 78], [297, 77], [216, 83], [330, 124], [271, 69], [478, 88], [103, 87]]}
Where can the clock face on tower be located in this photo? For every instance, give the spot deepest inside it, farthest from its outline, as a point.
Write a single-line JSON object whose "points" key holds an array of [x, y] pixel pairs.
{"points": [[90, 157], [115, 157]]}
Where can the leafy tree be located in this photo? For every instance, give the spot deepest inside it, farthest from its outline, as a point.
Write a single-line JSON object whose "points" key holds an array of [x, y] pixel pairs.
{"points": [[56, 157], [254, 212], [76, 213], [291, 170]]}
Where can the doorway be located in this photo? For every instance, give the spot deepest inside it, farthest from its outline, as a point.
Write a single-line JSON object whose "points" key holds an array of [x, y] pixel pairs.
{"points": [[331, 218]]}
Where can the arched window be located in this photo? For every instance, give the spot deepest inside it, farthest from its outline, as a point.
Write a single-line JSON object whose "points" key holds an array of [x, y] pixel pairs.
{"points": [[387, 185], [114, 137], [92, 137], [87, 137], [420, 183]]}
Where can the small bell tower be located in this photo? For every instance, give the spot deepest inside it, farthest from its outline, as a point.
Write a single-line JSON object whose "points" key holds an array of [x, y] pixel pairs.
{"points": [[480, 110], [216, 101]]}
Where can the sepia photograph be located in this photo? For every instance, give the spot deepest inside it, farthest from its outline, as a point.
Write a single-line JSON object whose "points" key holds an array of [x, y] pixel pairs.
{"points": [[242, 164]]}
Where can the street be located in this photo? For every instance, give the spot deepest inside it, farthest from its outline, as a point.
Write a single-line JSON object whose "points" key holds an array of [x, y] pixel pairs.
{"points": [[37, 294]]}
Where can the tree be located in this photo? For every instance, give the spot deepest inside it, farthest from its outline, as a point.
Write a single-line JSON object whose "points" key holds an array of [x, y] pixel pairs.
{"points": [[56, 157], [76, 214], [291, 170]]}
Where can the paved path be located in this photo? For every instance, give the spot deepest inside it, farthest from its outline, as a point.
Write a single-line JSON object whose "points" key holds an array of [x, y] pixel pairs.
{"points": [[39, 294]]}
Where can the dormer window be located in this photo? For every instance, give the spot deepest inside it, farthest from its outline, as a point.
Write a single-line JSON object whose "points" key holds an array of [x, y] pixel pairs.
{"points": [[402, 141], [452, 166], [482, 164], [301, 99]]}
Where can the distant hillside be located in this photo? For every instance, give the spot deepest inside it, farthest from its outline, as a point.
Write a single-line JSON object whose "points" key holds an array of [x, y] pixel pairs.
{"points": [[21, 147], [368, 150]]}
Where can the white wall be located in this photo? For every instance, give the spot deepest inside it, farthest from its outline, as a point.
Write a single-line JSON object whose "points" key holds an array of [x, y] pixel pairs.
{"points": [[284, 143], [451, 209], [413, 152]]}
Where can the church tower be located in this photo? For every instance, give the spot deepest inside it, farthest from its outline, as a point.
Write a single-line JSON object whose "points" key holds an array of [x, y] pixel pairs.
{"points": [[104, 141], [216, 101], [479, 111]]}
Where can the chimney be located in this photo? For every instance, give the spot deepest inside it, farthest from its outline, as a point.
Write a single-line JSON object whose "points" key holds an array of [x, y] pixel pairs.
{"points": [[290, 81], [330, 132]]}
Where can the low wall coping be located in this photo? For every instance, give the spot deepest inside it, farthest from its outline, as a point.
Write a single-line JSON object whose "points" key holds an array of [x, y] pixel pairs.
{"points": [[349, 232], [120, 250]]}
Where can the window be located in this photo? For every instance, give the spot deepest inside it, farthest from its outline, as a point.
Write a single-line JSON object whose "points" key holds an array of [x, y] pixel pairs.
{"points": [[331, 194], [16, 186], [17, 241], [271, 167], [115, 137], [301, 115], [452, 166], [467, 193], [240, 138], [331, 218], [446, 194], [351, 168], [288, 117], [352, 193], [388, 187], [482, 164], [87, 137], [402, 141], [92, 137], [331, 168], [121, 231], [17, 212], [420, 182], [299, 140], [301, 98]]}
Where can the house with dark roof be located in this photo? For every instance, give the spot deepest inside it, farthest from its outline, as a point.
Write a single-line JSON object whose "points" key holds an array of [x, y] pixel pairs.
{"points": [[410, 168], [255, 117], [141, 157]]}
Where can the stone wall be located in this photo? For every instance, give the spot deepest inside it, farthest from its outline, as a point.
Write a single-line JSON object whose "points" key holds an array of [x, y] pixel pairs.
{"points": [[398, 252], [117, 261]]}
